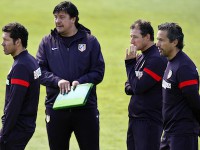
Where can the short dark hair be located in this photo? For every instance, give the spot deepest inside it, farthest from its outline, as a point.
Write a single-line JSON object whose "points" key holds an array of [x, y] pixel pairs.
{"points": [[174, 31], [145, 28], [69, 8], [17, 31]]}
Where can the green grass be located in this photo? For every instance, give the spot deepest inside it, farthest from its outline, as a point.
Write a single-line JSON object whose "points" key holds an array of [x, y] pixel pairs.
{"points": [[109, 21]]}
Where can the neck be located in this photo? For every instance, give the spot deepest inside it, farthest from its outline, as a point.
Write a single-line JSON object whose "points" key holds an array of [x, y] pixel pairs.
{"points": [[71, 32], [148, 46], [18, 51], [173, 54]]}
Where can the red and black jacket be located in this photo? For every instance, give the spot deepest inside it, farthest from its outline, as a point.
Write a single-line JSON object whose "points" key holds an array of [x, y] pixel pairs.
{"points": [[181, 102], [144, 84]]}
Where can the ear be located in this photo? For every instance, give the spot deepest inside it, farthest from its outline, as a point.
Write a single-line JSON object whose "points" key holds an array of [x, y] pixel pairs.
{"points": [[148, 36], [175, 42], [18, 41], [73, 19]]}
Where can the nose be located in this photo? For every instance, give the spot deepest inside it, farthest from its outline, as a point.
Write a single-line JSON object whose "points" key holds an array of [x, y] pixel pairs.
{"points": [[3, 43], [157, 44], [132, 41], [57, 20]]}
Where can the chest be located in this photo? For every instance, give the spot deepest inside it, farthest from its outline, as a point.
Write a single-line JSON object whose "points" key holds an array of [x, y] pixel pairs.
{"points": [[170, 83]]}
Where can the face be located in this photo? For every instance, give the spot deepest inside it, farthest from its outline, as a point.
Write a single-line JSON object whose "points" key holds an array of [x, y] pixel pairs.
{"points": [[137, 39], [9, 47], [166, 48], [64, 23]]}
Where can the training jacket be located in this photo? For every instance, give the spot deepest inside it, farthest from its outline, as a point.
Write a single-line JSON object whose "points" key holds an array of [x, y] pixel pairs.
{"points": [[181, 103], [144, 84], [22, 96], [79, 60]]}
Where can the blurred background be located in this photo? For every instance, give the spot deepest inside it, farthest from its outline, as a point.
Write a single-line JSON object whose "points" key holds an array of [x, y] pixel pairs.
{"points": [[109, 21]]}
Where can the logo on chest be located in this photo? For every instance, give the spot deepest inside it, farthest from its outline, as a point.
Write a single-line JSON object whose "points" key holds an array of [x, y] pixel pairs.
{"points": [[166, 85], [139, 74], [81, 47]]}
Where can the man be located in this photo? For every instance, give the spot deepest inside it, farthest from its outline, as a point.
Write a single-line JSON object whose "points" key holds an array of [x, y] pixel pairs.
{"points": [[144, 84], [181, 103], [69, 56], [22, 90]]}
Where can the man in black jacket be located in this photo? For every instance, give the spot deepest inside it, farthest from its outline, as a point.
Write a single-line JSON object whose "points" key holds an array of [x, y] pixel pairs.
{"points": [[144, 74], [181, 102], [69, 56], [22, 90]]}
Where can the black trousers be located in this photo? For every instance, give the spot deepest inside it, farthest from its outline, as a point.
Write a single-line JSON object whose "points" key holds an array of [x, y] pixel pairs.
{"points": [[179, 142], [143, 134], [84, 123], [17, 140]]}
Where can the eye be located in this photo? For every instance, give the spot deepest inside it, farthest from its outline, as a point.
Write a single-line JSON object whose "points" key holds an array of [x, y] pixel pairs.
{"points": [[159, 39]]}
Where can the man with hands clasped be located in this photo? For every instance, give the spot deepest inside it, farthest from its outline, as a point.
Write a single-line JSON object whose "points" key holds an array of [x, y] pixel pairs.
{"points": [[69, 56], [65, 86], [144, 73]]}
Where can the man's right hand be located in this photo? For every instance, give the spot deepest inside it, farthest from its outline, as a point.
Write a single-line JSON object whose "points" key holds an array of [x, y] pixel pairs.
{"points": [[64, 86], [131, 53]]}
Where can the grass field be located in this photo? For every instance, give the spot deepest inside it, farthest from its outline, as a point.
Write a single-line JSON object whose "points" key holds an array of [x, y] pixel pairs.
{"points": [[109, 21]]}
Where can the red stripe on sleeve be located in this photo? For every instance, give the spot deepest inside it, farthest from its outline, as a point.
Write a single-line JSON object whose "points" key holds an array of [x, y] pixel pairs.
{"points": [[20, 82], [187, 83], [152, 74]]}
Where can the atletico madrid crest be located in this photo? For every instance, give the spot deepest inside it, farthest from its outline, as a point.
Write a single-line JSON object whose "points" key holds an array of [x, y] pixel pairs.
{"points": [[81, 47]]}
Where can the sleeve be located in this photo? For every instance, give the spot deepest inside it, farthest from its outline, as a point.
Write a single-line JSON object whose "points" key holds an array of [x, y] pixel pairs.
{"points": [[148, 77], [47, 77], [19, 83], [188, 80], [96, 72]]}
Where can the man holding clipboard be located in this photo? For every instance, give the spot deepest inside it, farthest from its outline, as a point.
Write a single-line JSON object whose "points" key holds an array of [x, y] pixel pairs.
{"points": [[70, 56], [75, 97]]}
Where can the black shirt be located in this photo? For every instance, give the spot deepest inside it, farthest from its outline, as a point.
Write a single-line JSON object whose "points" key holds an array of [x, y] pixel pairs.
{"points": [[22, 95], [180, 95]]}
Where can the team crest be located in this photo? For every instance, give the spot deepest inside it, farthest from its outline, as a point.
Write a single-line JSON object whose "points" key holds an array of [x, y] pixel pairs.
{"points": [[169, 74], [81, 47]]}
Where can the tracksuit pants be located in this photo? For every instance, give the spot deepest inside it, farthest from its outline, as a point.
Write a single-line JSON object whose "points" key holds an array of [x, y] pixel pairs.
{"points": [[179, 142], [143, 134], [83, 122], [17, 140]]}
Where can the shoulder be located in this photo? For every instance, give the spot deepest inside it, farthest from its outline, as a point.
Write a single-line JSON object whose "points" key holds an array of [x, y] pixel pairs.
{"points": [[27, 62], [183, 60], [52, 36], [20, 68], [157, 58], [87, 35], [47, 38]]}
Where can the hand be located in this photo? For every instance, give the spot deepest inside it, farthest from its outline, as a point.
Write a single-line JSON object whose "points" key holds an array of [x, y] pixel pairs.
{"points": [[74, 84], [131, 53], [64, 86]]}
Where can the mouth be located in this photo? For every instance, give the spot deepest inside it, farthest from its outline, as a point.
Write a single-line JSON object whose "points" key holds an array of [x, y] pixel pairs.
{"points": [[58, 26]]}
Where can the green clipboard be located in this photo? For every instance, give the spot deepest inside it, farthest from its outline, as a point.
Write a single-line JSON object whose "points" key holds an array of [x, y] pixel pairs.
{"points": [[74, 98]]}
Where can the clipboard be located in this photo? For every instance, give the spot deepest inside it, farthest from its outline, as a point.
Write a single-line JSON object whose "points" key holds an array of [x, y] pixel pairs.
{"points": [[74, 98]]}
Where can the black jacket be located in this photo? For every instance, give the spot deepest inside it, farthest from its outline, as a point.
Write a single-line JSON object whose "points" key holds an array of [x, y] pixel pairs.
{"points": [[79, 60]]}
